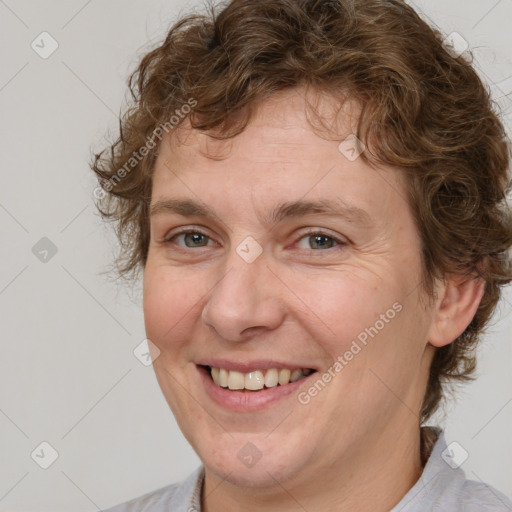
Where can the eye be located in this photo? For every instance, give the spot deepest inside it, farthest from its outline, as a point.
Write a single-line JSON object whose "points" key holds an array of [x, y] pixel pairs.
{"points": [[318, 240], [190, 239], [314, 240]]}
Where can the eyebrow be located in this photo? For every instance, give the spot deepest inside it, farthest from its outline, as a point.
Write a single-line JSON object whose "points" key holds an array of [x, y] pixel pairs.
{"points": [[338, 208]]}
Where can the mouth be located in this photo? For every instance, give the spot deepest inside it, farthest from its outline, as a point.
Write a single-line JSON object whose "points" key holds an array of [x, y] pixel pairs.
{"points": [[255, 380]]}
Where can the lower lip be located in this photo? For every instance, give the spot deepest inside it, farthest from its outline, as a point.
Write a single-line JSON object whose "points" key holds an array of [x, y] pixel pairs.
{"points": [[247, 400]]}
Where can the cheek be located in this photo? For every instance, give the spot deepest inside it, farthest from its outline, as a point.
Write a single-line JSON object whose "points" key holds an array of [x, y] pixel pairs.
{"points": [[169, 301], [341, 306]]}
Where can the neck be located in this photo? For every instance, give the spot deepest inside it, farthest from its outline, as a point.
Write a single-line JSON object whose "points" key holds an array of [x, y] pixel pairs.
{"points": [[373, 479]]}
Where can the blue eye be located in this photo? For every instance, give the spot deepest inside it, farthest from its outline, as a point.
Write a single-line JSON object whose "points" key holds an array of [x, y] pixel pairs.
{"points": [[319, 241], [190, 239], [312, 241]]}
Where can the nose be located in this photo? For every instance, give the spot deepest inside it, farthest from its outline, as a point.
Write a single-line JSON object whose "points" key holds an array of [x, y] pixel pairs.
{"points": [[246, 301]]}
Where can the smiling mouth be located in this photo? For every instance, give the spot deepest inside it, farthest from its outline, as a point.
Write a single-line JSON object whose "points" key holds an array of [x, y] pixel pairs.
{"points": [[256, 380]]}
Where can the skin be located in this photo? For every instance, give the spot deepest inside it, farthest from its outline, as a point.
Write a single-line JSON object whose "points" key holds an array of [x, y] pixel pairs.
{"points": [[356, 445]]}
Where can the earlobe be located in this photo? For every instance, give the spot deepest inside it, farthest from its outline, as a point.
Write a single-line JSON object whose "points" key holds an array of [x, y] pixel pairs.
{"points": [[457, 303]]}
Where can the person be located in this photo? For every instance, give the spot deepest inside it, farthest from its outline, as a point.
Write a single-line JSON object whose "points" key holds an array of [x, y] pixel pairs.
{"points": [[315, 192]]}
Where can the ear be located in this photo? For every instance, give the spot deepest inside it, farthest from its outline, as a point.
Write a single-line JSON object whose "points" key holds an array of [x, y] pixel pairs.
{"points": [[458, 299]]}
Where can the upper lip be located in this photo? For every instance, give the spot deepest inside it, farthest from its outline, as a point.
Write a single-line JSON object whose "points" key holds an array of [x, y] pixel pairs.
{"points": [[248, 366]]}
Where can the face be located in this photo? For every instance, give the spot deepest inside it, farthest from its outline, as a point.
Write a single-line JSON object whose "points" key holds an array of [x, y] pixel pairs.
{"points": [[276, 252]]}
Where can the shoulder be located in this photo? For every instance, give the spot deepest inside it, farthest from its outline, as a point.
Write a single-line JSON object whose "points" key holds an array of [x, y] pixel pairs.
{"points": [[160, 499], [443, 486], [480, 497], [181, 496]]}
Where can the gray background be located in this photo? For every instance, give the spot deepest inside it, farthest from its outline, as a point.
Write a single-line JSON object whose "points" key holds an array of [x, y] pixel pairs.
{"points": [[68, 375]]}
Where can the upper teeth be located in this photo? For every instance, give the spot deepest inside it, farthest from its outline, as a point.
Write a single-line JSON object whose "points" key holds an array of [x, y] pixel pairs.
{"points": [[256, 379]]}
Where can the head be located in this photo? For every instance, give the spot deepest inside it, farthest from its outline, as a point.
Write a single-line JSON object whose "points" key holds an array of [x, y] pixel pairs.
{"points": [[242, 117]]}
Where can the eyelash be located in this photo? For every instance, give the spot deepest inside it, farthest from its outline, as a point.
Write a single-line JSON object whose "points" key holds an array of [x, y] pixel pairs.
{"points": [[311, 232]]}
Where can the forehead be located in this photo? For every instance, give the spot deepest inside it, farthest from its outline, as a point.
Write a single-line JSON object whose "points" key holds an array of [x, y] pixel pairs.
{"points": [[285, 125], [278, 154]]}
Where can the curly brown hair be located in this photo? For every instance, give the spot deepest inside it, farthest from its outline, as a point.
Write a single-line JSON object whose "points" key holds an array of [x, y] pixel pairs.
{"points": [[423, 110]]}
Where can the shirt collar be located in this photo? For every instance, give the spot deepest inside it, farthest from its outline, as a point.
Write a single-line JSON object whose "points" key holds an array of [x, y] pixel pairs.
{"points": [[441, 475]]}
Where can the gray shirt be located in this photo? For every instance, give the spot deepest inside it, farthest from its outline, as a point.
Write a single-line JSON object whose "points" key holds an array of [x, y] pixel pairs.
{"points": [[442, 487]]}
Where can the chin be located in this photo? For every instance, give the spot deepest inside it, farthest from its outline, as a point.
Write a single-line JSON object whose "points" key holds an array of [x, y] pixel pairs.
{"points": [[255, 461]]}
